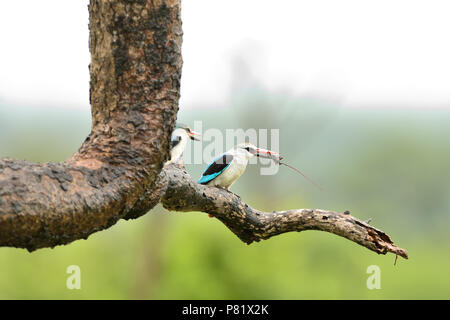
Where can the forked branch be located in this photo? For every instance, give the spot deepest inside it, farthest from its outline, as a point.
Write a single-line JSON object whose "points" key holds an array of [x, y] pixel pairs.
{"points": [[135, 74]]}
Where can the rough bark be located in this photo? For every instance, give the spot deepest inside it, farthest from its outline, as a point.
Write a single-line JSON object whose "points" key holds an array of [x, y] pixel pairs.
{"points": [[251, 225], [135, 80], [135, 77]]}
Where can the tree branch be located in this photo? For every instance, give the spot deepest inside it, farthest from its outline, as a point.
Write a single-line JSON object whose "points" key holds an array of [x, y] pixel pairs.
{"points": [[135, 79], [250, 225], [135, 74]]}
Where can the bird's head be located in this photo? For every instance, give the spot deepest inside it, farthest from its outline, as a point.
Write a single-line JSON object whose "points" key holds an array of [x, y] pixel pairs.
{"points": [[253, 150], [193, 135]]}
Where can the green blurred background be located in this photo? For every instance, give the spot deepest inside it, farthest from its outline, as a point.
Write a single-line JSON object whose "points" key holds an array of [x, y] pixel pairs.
{"points": [[359, 92], [391, 165]]}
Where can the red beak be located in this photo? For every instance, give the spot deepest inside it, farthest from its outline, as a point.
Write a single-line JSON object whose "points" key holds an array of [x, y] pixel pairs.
{"points": [[194, 135], [267, 154]]}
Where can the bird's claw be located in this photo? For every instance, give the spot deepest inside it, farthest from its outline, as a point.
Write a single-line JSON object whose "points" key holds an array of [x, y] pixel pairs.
{"points": [[226, 189]]}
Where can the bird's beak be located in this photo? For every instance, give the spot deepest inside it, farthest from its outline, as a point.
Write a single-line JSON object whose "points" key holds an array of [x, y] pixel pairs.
{"points": [[263, 153], [194, 135]]}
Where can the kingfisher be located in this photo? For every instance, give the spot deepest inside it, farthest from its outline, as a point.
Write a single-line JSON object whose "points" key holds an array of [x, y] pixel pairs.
{"points": [[180, 137], [228, 167]]}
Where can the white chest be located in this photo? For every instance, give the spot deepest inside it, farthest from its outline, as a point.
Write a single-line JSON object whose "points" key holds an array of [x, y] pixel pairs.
{"points": [[231, 173], [178, 150]]}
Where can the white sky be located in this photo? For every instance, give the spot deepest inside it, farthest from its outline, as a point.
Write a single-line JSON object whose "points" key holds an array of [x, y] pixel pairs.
{"points": [[371, 53]]}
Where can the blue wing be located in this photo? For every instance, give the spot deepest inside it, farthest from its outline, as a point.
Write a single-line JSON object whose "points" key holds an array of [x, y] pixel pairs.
{"points": [[215, 168]]}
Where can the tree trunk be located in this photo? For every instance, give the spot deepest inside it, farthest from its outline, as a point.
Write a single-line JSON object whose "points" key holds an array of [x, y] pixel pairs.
{"points": [[135, 78]]}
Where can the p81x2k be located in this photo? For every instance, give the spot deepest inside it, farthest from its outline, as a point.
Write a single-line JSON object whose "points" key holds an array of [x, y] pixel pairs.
{"points": [[247, 309]]}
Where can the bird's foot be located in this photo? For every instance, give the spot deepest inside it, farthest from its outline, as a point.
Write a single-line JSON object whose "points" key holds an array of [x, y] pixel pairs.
{"points": [[228, 190], [234, 194]]}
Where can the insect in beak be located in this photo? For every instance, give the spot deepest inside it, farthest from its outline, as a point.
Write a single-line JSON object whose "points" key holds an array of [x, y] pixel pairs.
{"points": [[263, 153]]}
